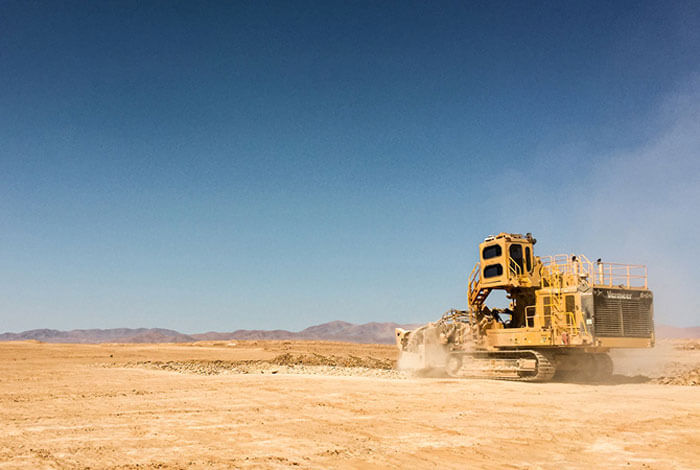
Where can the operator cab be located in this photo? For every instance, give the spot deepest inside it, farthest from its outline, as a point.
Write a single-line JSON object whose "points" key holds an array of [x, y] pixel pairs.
{"points": [[507, 260]]}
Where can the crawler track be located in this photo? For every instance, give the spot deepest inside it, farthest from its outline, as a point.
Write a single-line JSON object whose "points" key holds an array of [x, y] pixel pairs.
{"points": [[521, 366]]}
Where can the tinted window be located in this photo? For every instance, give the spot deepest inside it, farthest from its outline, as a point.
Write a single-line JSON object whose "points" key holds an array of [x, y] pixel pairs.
{"points": [[528, 259], [491, 251], [516, 255], [493, 270]]}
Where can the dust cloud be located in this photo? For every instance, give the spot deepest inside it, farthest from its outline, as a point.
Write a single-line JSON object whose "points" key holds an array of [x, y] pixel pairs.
{"points": [[647, 362], [643, 207], [409, 361], [669, 362], [426, 352]]}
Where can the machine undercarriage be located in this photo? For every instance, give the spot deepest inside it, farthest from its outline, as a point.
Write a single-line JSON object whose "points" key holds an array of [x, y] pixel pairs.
{"points": [[449, 346]]}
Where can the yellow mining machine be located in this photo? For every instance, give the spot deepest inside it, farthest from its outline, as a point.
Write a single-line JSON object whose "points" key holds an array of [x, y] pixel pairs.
{"points": [[565, 314]]}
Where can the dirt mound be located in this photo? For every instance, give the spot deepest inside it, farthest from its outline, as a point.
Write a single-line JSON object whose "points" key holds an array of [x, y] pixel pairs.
{"points": [[191, 367], [287, 363], [333, 361]]}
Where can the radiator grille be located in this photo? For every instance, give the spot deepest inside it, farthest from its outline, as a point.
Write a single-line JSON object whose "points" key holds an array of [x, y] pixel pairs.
{"points": [[621, 313]]}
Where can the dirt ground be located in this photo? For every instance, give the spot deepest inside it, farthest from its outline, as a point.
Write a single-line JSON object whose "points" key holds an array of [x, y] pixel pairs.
{"points": [[280, 404]]}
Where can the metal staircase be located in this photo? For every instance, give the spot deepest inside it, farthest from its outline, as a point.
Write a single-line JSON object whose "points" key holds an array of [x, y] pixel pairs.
{"points": [[476, 293]]}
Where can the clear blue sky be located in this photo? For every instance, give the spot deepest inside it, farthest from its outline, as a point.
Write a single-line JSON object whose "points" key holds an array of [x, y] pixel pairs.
{"points": [[221, 165]]}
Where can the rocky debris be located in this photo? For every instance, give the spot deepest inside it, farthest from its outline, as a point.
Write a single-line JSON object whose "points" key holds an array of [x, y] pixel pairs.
{"points": [[680, 377], [331, 365], [314, 364], [334, 361]]}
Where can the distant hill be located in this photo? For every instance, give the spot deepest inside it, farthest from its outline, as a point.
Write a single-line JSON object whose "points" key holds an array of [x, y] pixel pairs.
{"points": [[332, 331], [113, 335], [674, 332]]}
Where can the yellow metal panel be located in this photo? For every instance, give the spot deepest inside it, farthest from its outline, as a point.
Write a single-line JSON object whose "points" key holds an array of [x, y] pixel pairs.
{"points": [[518, 337], [625, 342]]}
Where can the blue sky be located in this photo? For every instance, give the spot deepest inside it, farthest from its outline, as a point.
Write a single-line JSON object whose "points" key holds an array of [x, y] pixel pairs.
{"points": [[219, 165]]}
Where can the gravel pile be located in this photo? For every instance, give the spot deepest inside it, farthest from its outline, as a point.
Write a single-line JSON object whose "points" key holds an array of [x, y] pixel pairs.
{"points": [[680, 377], [314, 364], [334, 361]]}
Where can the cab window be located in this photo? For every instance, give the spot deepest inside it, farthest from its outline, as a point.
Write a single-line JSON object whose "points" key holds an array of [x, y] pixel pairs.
{"points": [[493, 270], [516, 255], [492, 251], [528, 259]]}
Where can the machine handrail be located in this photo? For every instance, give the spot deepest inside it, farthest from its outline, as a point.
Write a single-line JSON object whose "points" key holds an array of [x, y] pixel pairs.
{"points": [[514, 267], [598, 273], [474, 279], [570, 326]]}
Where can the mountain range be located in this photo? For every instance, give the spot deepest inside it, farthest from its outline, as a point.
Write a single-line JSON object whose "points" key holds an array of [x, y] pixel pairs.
{"points": [[333, 331]]}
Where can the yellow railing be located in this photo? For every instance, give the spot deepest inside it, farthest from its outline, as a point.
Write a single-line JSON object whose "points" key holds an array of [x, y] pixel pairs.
{"points": [[514, 267], [559, 271], [474, 279], [570, 325], [570, 268], [530, 316], [558, 321]]}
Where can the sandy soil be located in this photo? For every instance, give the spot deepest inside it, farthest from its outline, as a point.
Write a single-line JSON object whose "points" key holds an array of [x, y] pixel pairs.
{"points": [[330, 405]]}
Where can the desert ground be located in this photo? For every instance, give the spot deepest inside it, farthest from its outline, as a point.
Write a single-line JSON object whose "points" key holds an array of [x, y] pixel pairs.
{"points": [[279, 404]]}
